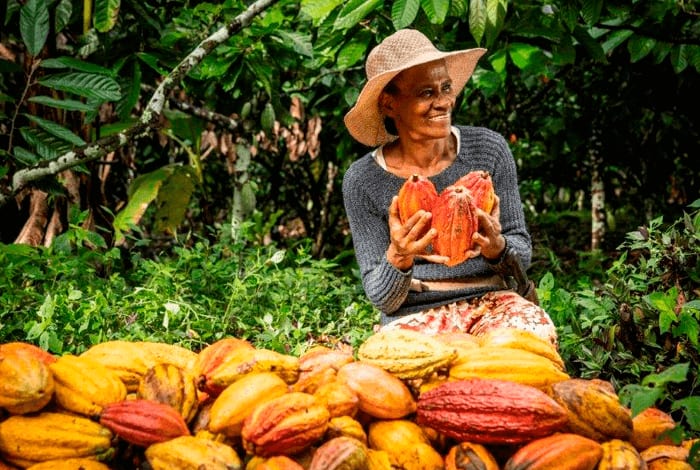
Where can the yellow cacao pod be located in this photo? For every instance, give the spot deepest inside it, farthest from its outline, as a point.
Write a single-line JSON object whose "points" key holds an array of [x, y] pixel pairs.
{"points": [[405, 353], [521, 339], [514, 365], [70, 464], [593, 410], [338, 397], [172, 385], [620, 455], [651, 427], [31, 439], [346, 426], [192, 453], [85, 386], [470, 456]]}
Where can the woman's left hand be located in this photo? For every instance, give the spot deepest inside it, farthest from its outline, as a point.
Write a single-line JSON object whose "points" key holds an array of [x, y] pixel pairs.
{"points": [[488, 239]]}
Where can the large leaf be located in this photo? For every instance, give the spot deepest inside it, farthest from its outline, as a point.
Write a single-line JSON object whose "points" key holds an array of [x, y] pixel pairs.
{"points": [[297, 42], [639, 47], [56, 130], [318, 10], [68, 105], [354, 51], [64, 10], [355, 11], [403, 12], [48, 146], [477, 19], [143, 190], [173, 198], [106, 13], [34, 25], [590, 10], [66, 62], [435, 10], [89, 85]]}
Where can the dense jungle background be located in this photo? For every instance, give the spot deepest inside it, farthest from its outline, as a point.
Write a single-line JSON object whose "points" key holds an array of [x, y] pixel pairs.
{"points": [[171, 170]]}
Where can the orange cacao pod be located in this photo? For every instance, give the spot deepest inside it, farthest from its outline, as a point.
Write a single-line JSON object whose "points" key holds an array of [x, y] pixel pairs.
{"points": [[470, 456], [380, 394], [490, 411], [651, 427], [170, 384], [143, 422], [340, 453], [319, 365], [557, 451], [284, 425], [480, 186], [593, 410], [338, 397], [417, 193], [237, 401], [214, 354], [276, 462], [454, 218], [70, 464], [26, 382], [44, 356]]}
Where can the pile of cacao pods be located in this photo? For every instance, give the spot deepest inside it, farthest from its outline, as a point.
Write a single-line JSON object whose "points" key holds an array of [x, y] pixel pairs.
{"points": [[402, 400]]}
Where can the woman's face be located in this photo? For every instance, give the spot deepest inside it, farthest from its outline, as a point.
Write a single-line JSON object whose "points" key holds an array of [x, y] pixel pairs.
{"points": [[423, 102]]}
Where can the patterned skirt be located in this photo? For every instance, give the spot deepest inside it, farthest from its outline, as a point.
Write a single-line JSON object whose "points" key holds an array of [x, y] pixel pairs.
{"points": [[477, 316]]}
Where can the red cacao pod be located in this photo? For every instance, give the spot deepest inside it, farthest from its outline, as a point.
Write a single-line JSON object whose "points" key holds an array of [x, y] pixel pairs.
{"points": [[490, 411], [417, 193], [480, 186], [454, 218], [285, 425], [143, 422]]}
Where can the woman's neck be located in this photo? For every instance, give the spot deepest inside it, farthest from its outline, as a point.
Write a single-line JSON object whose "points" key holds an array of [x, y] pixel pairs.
{"points": [[426, 158]]}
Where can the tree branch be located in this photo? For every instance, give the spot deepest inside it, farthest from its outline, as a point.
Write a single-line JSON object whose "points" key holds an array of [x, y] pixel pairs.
{"points": [[149, 118]]}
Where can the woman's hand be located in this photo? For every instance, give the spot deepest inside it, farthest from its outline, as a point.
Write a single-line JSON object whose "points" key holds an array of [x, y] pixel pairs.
{"points": [[488, 239], [410, 240]]}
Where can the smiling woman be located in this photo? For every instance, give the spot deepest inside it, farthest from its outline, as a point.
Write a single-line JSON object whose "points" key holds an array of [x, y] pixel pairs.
{"points": [[404, 112]]}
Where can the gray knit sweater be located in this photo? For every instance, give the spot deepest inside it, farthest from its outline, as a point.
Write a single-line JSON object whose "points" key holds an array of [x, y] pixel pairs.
{"points": [[367, 193]]}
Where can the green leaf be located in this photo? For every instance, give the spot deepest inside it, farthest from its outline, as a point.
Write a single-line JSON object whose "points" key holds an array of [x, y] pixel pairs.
{"points": [[34, 25], [354, 51], [615, 39], [458, 8], [639, 47], [353, 12], [318, 10], [477, 19], [403, 12], [676, 373], [56, 130], [143, 190], [106, 13], [68, 105], [48, 146], [132, 92], [687, 328], [267, 118], [679, 59], [75, 64], [595, 50], [297, 42], [665, 303], [590, 11], [64, 10], [638, 398], [84, 84], [153, 62], [522, 54], [435, 10], [691, 405], [25, 156]]}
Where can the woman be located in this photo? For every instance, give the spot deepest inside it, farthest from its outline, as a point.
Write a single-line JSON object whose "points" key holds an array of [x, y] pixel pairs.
{"points": [[404, 113]]}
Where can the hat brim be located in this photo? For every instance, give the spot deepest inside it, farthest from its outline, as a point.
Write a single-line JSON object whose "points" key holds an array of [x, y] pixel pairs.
{"points": [[365, 122]]}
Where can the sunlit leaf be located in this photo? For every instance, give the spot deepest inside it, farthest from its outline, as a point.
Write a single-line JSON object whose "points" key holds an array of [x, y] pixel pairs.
{"points": [[477, 19], [403, 12], [355, 11], [435, 10], [173, 199], [106, 13], [318, 10]]}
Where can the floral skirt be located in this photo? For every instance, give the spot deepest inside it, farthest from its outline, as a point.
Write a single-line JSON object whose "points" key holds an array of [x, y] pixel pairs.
{"points": [[477, 316]]}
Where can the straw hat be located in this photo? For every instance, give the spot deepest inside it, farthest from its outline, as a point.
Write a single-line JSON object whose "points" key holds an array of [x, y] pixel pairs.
{"points": [[400, 51]]}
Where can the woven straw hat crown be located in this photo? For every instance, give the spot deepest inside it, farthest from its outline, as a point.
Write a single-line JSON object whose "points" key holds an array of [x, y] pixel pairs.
{"points": [[402, 50]]}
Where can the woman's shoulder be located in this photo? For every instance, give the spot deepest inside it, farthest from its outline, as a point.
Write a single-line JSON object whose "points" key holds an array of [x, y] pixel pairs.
{"points": [[478, 134], [360, 170]]}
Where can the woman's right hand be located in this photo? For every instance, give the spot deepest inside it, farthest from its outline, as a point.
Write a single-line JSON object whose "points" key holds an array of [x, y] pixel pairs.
{"points": [[411, 239]]}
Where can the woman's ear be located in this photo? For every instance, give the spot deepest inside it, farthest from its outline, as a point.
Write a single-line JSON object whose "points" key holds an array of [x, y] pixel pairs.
{"points": [[386, 104]]}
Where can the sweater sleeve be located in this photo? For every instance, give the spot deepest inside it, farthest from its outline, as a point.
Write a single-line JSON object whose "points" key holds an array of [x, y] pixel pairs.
{"points": [[385, 285]]}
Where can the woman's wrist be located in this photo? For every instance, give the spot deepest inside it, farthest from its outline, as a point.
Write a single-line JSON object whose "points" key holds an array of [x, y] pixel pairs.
{"points": [[399, 261], [500, 253]]}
